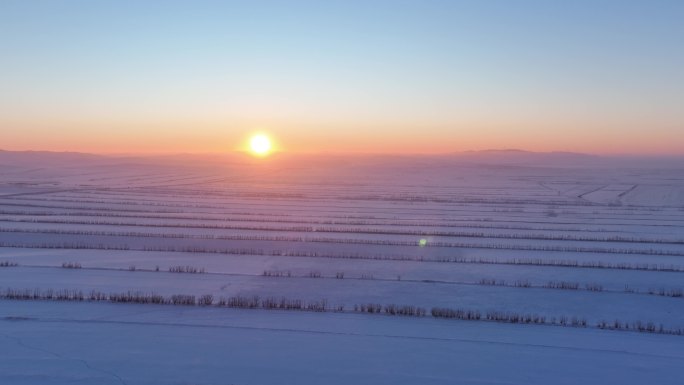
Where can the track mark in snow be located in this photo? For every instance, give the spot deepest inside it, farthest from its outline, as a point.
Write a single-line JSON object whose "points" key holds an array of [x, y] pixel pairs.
{"points": [[351, 334], [41, 192], [622, 194], [57, 355], [581, 196]]}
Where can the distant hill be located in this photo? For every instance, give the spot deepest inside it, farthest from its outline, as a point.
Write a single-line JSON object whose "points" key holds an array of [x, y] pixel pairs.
{"points": [[505, 157], [49, 158], [529, 158]]}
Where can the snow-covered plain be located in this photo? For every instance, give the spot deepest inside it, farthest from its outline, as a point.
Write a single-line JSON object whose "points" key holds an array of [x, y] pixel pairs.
{"points": [[598, 242]]}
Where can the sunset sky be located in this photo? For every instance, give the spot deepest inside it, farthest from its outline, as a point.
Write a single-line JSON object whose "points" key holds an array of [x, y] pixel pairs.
{"points": [[334, 76]]}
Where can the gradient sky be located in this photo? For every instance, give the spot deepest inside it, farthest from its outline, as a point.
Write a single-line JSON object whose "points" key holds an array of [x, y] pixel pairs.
{"points": [[366, 76]]}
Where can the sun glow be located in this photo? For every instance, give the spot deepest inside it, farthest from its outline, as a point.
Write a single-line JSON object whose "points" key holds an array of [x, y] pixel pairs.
{"points": [[260, 145]]}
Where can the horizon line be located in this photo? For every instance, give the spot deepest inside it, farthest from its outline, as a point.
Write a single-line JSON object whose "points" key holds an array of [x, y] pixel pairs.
{"points": [[353, 153]]}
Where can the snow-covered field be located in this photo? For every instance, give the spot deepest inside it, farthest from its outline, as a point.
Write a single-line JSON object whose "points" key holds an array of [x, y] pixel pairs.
{"points": [[579, 248]]}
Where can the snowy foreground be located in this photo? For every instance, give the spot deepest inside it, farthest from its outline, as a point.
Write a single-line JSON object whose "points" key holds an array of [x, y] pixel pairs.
{"points": [[58, 343], [507, 272]]}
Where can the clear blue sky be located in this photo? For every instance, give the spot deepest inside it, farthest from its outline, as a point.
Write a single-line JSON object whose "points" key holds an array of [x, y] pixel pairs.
{"points": [[403, 76]]}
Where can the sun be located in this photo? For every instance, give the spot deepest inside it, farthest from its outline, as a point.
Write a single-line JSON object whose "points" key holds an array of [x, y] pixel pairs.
{"points": [[260, 145]]}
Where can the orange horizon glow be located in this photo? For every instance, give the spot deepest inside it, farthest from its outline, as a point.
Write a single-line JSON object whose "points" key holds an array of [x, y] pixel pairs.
{"points": [[406, 140], [135, 150], [183, 131]]}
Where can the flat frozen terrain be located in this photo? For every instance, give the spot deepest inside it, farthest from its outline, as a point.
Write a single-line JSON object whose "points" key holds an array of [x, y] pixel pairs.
{"points": [[58, 343], [601, 244]]}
